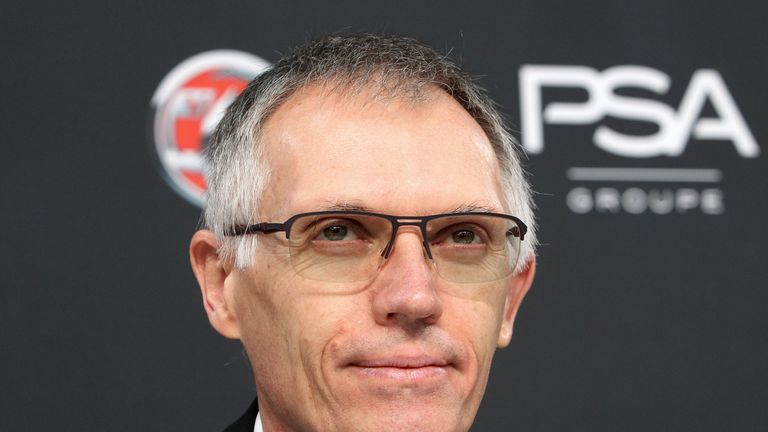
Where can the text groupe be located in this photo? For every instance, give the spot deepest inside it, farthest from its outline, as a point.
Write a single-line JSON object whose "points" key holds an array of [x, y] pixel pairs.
{"points": [[634, 200]]}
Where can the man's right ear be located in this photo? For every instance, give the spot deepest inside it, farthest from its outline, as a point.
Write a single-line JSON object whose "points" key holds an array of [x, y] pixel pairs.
{"points": [[212, 274]]}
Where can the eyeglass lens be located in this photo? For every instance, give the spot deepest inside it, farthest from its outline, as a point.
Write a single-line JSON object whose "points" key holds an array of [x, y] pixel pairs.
{"points": [[466, 248]]}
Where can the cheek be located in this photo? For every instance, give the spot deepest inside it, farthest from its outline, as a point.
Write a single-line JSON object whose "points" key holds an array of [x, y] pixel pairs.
{"points": [[316, 325], [477, 319], [322, 337], [290, 323], [266, 312], [263, 331], [326, 320]]}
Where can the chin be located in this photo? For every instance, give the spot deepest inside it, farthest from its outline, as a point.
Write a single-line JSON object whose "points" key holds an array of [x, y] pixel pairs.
{"points": [[423, 399], [405, 423], [406, 416]]}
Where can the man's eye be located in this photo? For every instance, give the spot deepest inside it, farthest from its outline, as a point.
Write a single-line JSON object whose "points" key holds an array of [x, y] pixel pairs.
{"points": [[337, 232], [465, 236]]}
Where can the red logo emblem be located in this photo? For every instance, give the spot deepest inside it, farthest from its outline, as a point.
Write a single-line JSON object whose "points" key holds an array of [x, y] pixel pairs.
{"points": [[186, 107]]}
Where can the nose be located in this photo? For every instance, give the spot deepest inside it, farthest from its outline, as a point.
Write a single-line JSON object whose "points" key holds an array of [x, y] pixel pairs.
{"points": [[405, 291]]}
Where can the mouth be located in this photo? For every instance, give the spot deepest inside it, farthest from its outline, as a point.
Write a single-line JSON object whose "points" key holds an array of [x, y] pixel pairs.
{"points": [[404, 369]]}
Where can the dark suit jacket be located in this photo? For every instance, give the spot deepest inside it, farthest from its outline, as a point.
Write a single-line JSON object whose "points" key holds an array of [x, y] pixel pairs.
{"points": [[246, 421]]}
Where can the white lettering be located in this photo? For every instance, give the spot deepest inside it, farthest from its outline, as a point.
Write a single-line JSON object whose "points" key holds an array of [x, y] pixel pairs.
{"points": [[579, 200], [712, 201], [636, 109], [675, 127], [730, 125], [607, 200], [686, 199], [534, 78], [661, 201], [636, 201]]}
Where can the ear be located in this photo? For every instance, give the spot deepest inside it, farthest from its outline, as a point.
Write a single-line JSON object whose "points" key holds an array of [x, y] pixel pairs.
{"points": [[212, 274], [519, 285]]}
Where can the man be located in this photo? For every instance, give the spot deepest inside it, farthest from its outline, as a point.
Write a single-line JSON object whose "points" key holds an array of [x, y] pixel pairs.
{"points": [[369, 238]]}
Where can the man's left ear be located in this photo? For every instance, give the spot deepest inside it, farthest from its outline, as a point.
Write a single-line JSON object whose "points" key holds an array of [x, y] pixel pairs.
{"points": [[519, 285]]}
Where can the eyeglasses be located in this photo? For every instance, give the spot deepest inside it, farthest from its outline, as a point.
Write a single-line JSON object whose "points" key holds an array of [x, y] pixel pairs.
{"points": [[350, 246]]}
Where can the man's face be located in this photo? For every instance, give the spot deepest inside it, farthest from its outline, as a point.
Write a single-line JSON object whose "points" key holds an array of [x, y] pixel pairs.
{"points": [[406, 350]]}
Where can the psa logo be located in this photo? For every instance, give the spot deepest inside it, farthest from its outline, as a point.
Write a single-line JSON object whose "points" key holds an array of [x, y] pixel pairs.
{"points": [[676, 127], [187, 106]]}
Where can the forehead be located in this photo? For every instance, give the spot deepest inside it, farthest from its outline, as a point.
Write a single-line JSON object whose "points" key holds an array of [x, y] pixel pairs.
{"points": [[395, 155]]}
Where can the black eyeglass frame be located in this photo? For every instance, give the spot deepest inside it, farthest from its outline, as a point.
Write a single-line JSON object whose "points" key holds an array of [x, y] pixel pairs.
{"points": [[396, 221]]}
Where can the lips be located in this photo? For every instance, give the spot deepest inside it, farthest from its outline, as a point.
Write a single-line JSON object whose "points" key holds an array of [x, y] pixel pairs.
{"points": [[402, 362], [391, 361], [403, 369]]}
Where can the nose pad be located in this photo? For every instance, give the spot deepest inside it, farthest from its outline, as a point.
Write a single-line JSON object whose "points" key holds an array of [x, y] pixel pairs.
{"points": [[388, 248], [406, 247]]}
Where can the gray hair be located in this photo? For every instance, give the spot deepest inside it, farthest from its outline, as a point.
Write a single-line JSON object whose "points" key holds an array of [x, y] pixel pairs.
{"points": [[237, 172]]}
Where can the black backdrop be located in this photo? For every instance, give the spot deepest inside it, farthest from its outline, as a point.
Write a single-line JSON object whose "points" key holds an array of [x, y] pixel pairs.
{"points": [[636, 321]]}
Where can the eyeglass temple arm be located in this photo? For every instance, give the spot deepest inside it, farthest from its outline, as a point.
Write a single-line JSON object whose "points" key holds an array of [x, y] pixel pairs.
{"points": [[264, 227]]}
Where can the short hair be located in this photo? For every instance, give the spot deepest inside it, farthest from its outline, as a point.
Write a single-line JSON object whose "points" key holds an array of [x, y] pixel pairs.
{"points": [[391, 66]]}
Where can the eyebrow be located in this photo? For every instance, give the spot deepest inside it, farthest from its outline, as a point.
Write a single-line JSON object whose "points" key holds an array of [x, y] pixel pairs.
{"points": [[472, 207], [358, 205], [346, 205]]}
